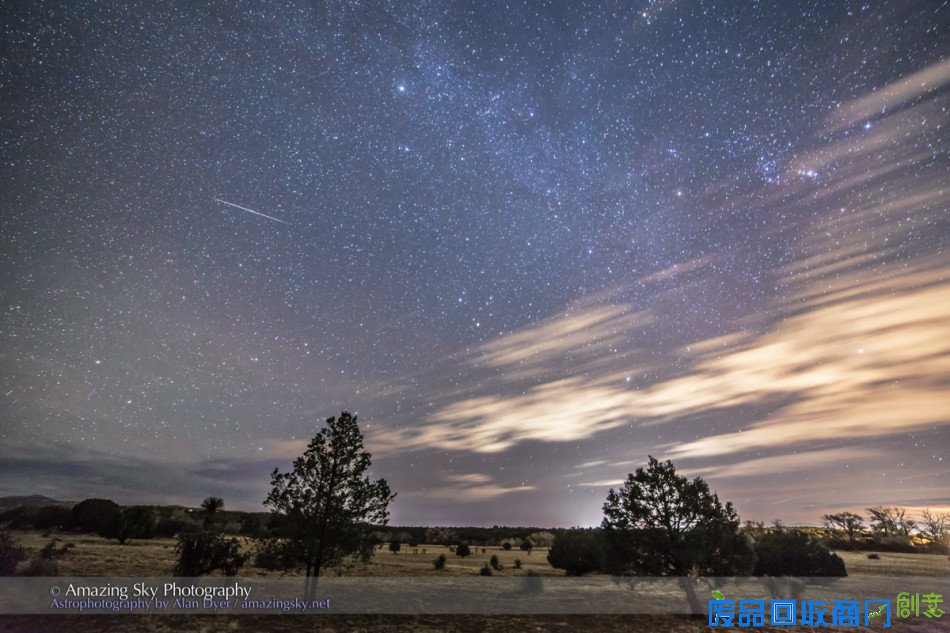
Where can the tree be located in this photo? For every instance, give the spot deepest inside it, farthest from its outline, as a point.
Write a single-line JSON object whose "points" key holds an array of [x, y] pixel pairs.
{"points": [[662, 524], [891, 521], [132, 522], [323, 507], [795, 553], [395, 545], [211, 506], [506, 546], [934, 527], [848, 522], [495, 564], [577, 552], [95, 515], [463, 550], [527, 546]]}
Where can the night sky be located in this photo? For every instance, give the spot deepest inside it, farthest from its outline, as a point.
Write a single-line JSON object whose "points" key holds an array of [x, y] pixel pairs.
{"points": [[529, 244]]}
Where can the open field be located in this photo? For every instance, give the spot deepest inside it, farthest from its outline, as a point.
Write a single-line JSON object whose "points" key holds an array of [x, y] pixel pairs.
{"points": [[95, 556]]}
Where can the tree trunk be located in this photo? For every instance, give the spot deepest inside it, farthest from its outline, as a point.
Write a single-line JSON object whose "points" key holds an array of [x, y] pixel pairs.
{"points": [[694, 604], [313, 576]]}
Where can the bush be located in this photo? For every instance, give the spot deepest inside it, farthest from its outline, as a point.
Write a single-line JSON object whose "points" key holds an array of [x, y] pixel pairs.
{"points": [[893, 543], [527, 546], [11, 554], [486, 570], [134, 522], [932, 547], [517, 563], [577, 553], [494, 563], [506, 546], [40, 567], [95, 515], [201, 552], [463, 550], [395, 546], [795, 553], [439, 563], [45, 563], [32, 518], [874, 557]]}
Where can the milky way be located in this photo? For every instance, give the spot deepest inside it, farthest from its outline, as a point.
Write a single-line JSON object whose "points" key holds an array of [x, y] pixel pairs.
{"points": [[528, 244]]}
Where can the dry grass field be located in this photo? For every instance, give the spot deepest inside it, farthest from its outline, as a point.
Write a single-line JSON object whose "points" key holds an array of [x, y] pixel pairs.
{"points": [[94, 556]]}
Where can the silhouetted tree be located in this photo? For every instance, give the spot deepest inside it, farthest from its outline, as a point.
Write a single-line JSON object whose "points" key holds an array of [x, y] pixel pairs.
{"points": [[395, 546], [527, 546], [934, 527], [577, 552], [324, 505], [211, 507], [95, 515], [891, 521], [848, 522], [132, 522], [463, 550], [662, 524]]}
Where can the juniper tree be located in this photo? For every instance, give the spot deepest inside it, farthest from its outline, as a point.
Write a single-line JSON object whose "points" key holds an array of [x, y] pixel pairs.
{"points": [[322, 508], [661, 524]]}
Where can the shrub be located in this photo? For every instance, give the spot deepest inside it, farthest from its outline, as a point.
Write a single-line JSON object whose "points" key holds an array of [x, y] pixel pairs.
{"points": [[874, 557], [527, 546], [795, 553], [40, 567], [494, 563], [486, 570], [463, 550], [395, 546], [893, 543], [506, 546], [32, 518], [932, 547], [45, 563], [201, 552], [577, 553], [517, 563], [11, 553], [134, 522], [95, 515], [439, 563]]}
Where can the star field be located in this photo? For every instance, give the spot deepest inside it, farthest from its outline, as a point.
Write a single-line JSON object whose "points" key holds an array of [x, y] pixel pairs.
{"points": [[528, 243]]}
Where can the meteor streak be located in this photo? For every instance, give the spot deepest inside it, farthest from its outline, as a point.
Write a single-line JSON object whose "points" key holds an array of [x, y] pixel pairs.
{"points": [[237, 206]]}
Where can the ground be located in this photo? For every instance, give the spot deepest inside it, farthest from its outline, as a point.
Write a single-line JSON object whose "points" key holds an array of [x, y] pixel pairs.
{"points": [[94, 556]]}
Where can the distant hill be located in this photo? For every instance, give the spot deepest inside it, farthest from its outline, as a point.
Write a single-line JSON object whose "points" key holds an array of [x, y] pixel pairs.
{"points": [[8, 503]]}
